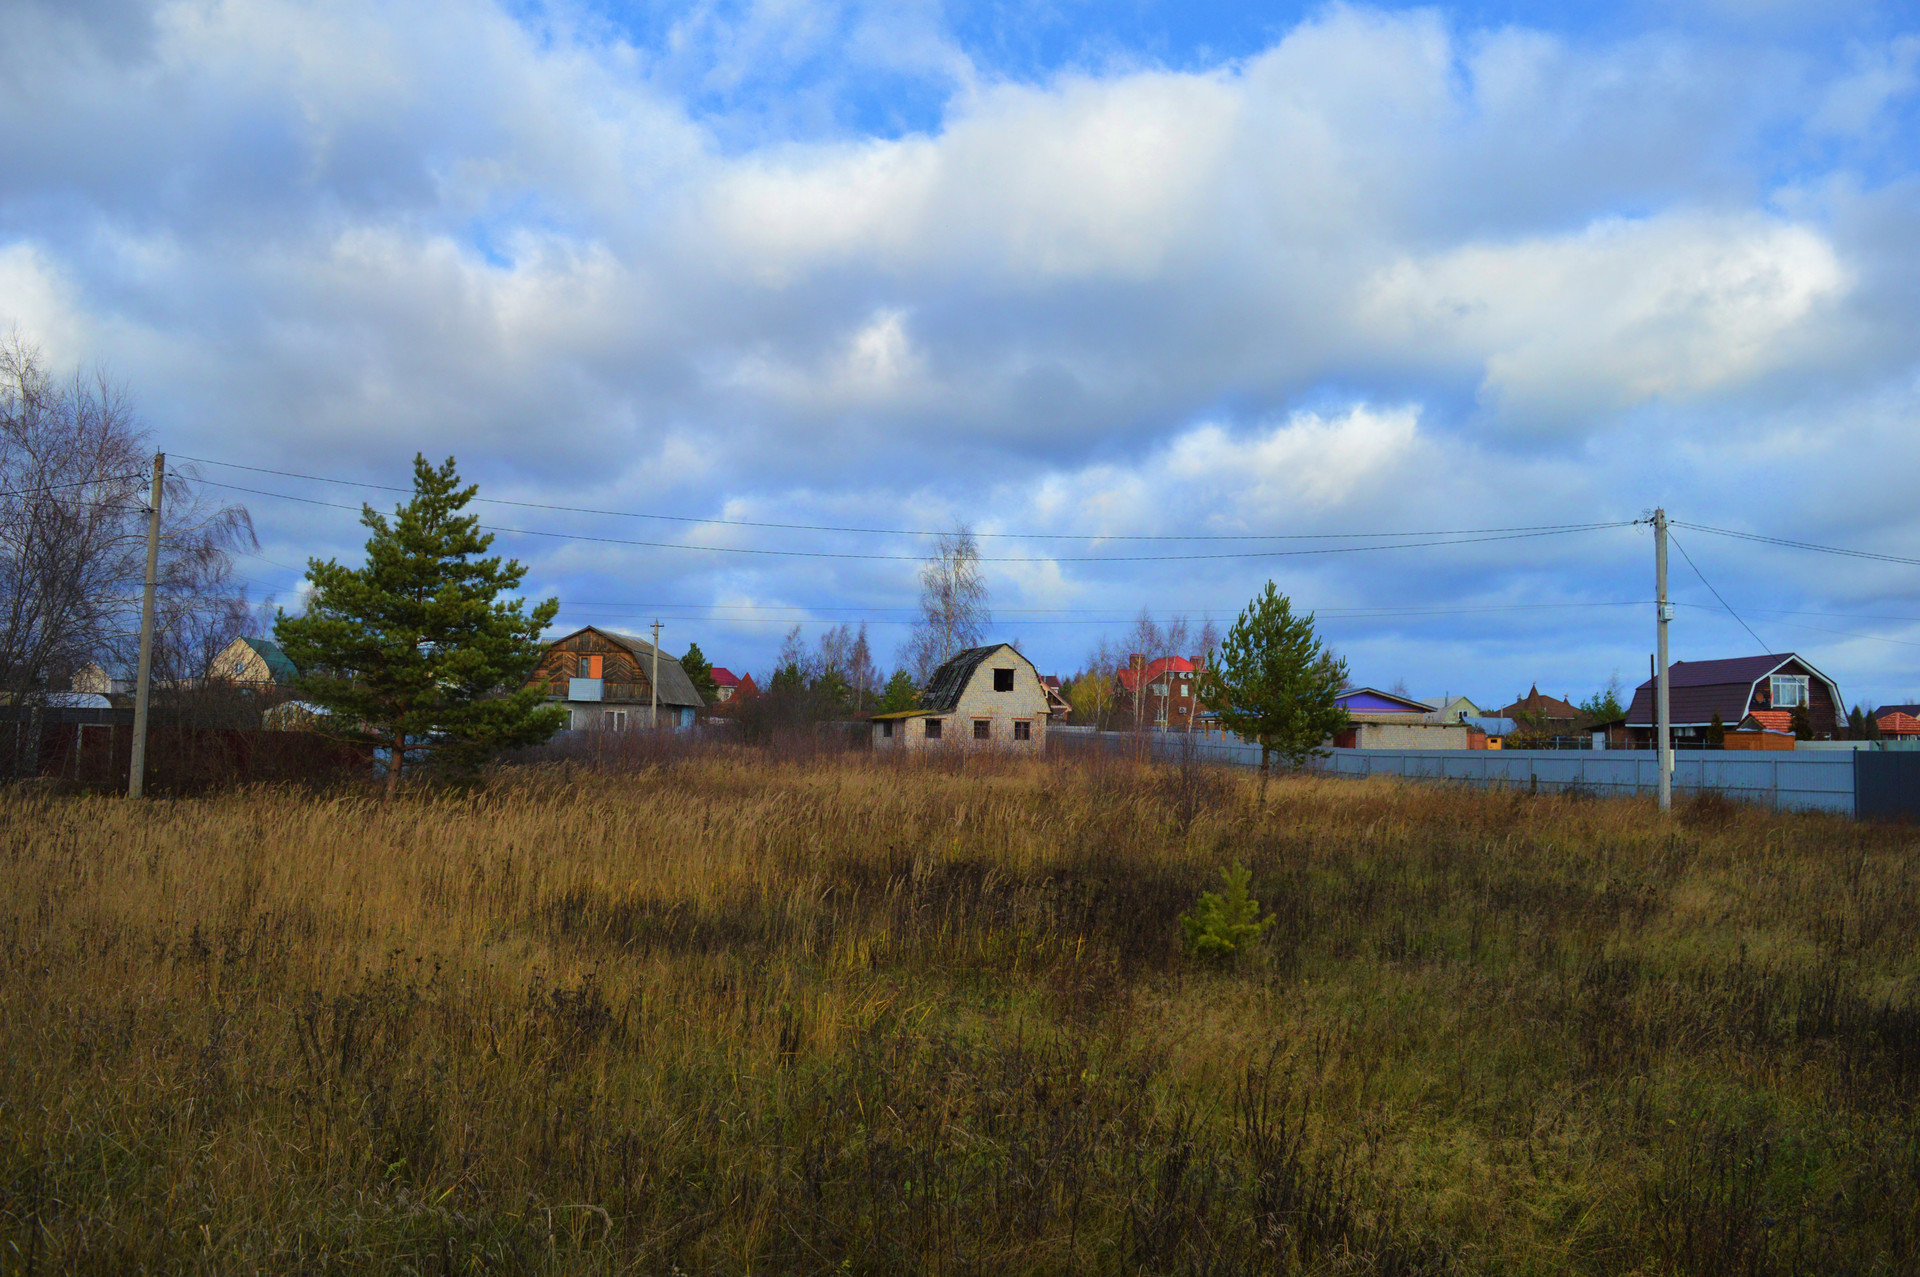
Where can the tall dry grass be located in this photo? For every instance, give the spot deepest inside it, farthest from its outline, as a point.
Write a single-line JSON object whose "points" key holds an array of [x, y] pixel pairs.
{"points": [[715, 1015]]}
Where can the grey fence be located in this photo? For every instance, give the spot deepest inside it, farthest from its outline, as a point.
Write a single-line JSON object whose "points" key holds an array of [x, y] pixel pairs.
{"points": [[1806, 780]]}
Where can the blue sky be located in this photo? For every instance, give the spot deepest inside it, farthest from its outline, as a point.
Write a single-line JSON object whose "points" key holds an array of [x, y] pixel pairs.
{"points": [[1068, 272]]}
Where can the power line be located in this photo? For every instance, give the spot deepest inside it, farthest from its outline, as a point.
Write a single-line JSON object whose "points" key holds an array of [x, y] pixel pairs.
{"points": [[1797, 545], [1716, 594], [911, 532], [1452, 538], [78, 483]]}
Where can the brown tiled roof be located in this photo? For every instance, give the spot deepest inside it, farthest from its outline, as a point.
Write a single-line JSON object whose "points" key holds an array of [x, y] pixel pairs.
{"points": [[1537, 705], [1898, 723], [1773, 720]]}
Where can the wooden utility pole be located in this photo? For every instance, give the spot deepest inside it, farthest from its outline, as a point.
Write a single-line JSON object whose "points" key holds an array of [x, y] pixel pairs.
{"points": [[1662, 717], [654, 721], [143, 688]]}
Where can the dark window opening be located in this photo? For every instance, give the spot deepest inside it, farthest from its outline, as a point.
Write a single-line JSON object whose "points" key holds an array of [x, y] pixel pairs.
{"points": [[886, 728], [933, 729], [1022, 730], [982, 729], [1003, 680]]}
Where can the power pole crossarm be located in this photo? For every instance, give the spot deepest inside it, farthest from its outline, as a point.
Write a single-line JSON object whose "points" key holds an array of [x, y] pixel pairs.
{"points": [[1663, 721], [143, 688]]}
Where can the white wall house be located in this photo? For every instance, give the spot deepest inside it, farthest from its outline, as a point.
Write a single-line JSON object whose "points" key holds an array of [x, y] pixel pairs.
{"points": [[984, 698]]}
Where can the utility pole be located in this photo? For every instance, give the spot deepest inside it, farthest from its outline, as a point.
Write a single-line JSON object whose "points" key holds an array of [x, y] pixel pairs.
{"points": [[1662, 716], [143, 688], [654, 720]]}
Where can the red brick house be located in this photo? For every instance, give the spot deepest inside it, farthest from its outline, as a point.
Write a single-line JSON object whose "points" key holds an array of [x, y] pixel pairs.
{"points": [[729, 686], [1165, 690], [1735, 689]]}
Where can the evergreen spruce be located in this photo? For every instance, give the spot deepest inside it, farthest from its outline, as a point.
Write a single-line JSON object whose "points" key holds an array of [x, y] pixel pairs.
{"points": [[700, 673], [417, 645], [1716, 732], [900, 693], [1274, 683]]}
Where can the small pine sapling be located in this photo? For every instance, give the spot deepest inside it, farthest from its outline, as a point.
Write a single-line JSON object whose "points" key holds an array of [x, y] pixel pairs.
{"points": [[1221, 925]]}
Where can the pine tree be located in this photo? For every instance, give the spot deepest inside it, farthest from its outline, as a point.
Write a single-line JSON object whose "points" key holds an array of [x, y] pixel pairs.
{"points": [[1274, 683], [900, 694], [1717, 732], [700, 673], [1802, 723], [418, 645]]}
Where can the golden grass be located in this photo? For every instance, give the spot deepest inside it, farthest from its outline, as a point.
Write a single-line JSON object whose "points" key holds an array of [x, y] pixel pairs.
{"points": [[723, 1015]]}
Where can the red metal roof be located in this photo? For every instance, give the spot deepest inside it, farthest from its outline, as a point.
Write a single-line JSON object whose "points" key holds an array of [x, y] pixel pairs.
{"points": [[724, 677], [1155, 668]]}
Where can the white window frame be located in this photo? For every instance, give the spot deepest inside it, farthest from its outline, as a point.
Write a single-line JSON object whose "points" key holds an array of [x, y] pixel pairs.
{"points": [[1801, 686]]}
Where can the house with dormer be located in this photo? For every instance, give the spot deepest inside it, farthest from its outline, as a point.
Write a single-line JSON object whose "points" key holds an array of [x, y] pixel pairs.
{"points": [[983, 698], [1769, 689], [605, 680]]}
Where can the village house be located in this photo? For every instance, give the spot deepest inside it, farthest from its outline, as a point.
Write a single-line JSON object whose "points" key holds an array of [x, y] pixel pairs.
{"points": [[605, 680], [1541, 719], [985, 697], [1058, 710], [1170, 699], [1897, 722], [729, 686], [253, 662], [1388, 720], [1770, 688]]}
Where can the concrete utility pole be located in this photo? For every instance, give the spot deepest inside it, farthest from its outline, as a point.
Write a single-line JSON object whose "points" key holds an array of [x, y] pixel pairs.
{"points": [[654, 721], [1662, 716], [143, 689]]}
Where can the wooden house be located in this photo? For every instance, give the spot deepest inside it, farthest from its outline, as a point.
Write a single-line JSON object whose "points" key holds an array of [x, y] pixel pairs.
{"points": [[605, 679]]}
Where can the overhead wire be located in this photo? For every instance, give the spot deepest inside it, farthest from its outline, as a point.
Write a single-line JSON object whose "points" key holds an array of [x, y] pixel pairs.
{"points": [[916, 532], [1797, 545], [1716, 594], [1451, 538]]}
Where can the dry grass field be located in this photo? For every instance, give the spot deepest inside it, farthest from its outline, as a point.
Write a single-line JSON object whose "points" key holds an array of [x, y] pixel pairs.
{"points": [[730, 1015]]}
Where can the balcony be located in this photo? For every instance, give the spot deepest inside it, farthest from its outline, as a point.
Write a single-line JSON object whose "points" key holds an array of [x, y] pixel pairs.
{"points": [[585, 689]]}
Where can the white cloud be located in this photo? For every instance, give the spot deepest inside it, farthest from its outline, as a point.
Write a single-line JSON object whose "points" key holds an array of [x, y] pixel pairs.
{"points": [[37, 301], [1618, 314]]}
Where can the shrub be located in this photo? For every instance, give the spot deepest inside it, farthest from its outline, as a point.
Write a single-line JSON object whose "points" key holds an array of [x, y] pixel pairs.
{"points": [[1221, 926]]}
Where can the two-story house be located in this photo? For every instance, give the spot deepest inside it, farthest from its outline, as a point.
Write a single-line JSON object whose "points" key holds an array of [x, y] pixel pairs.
{"points": [[985, 697], [605, 679], [1734, 689], [1163, 693]]}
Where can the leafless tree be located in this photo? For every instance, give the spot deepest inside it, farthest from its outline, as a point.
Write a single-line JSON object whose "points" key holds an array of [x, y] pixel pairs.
{"points": [[953, 604], [74, 480], [1206, 643], [1154, 641]]}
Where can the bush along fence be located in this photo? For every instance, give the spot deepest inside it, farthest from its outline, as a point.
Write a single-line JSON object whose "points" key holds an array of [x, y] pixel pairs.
{"points": [[1869, 784], [92, 749]]}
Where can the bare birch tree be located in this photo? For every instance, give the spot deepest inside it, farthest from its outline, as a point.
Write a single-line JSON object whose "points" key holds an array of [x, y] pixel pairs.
{"points": [[953, 604], [74, 477]]}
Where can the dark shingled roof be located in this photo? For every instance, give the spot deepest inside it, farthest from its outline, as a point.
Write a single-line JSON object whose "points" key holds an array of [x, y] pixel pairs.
{"points": [[950, 681], [1696, 690]]}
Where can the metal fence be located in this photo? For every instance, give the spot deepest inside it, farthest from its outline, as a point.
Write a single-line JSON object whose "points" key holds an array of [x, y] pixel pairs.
{"points": [[1811, 780]]}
